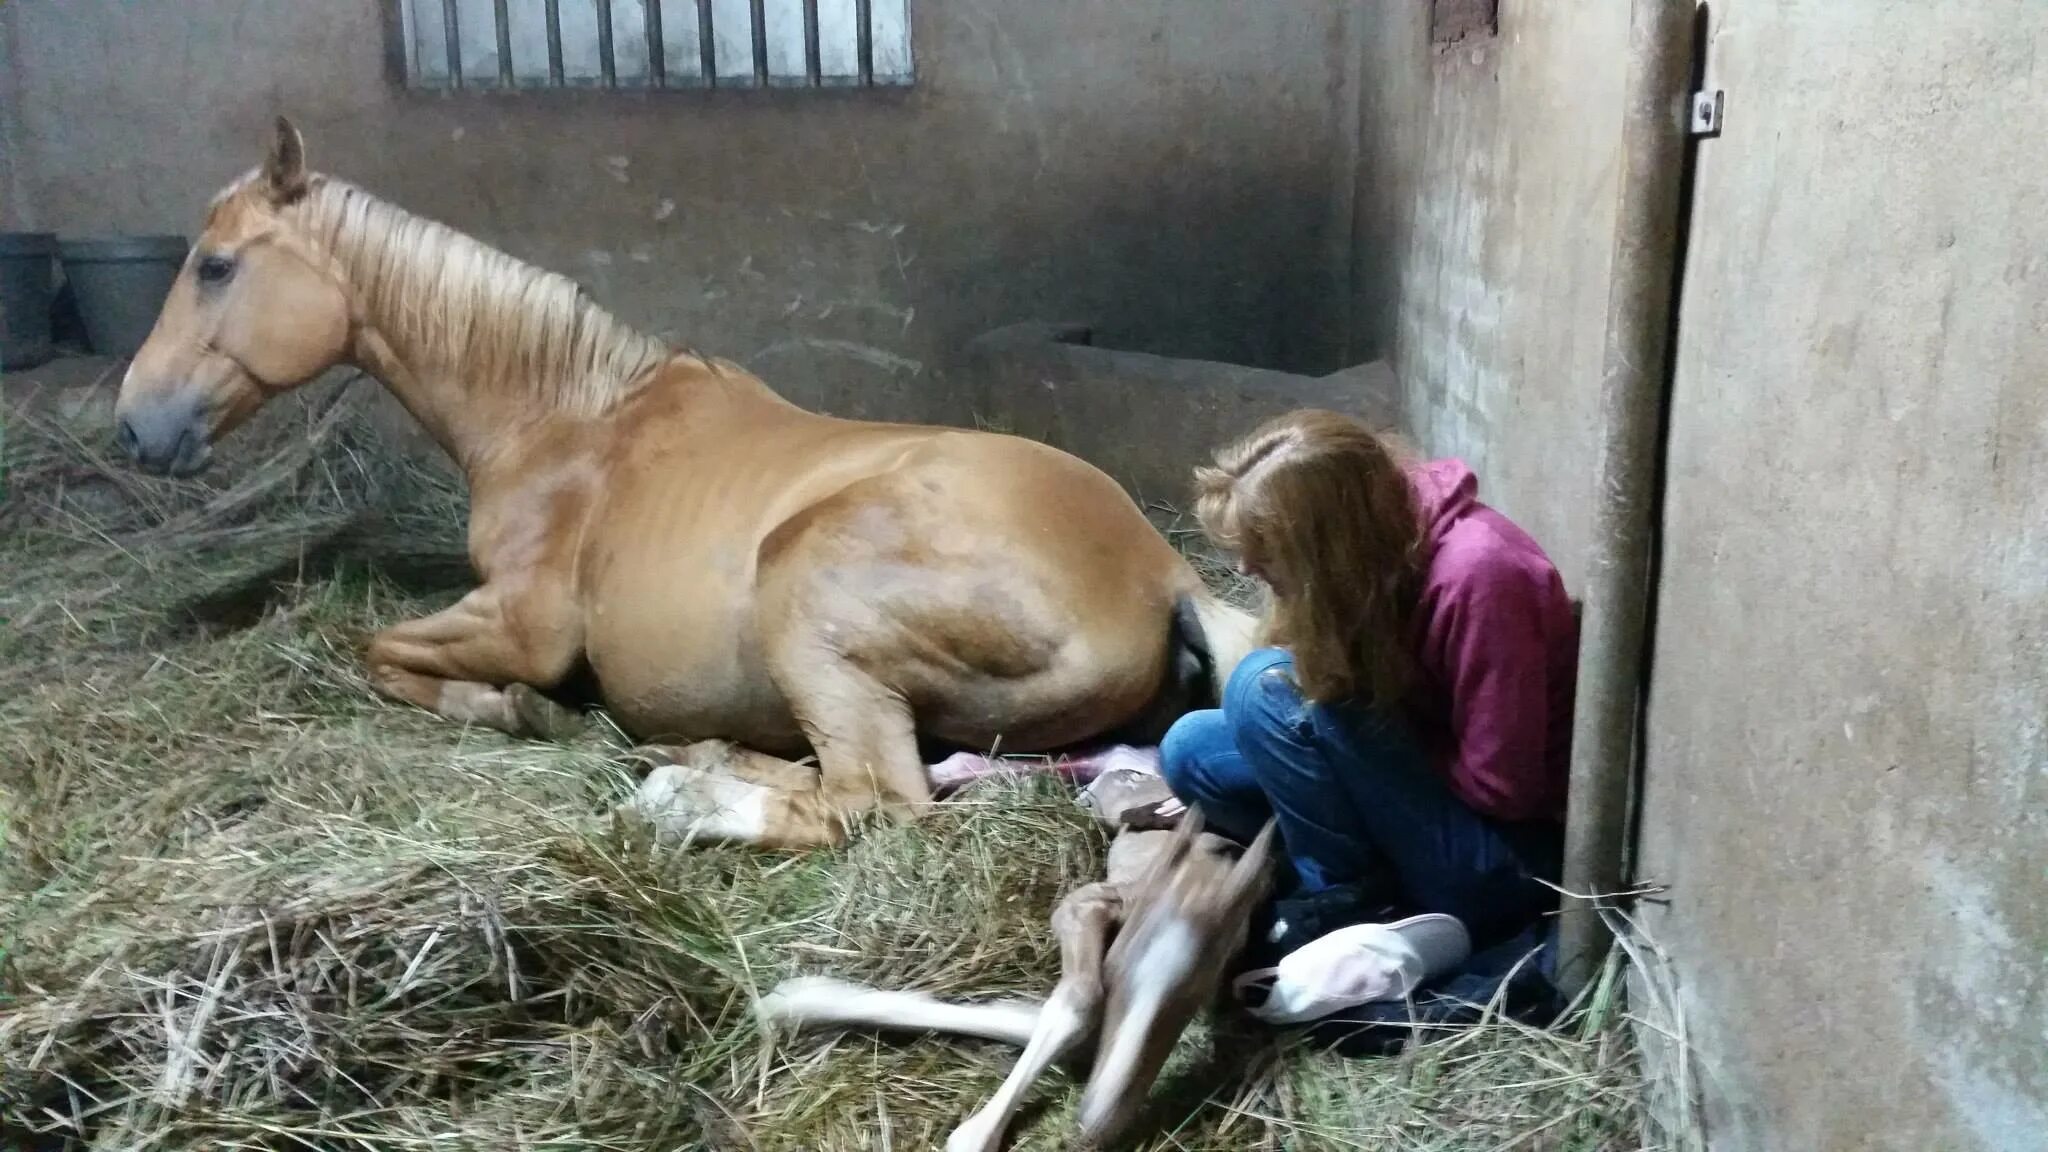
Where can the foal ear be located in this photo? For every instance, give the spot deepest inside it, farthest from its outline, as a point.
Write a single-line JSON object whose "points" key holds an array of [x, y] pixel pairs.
{"points": [[1179, 842], [1185, 834], [1248, 879], [284, 169]]}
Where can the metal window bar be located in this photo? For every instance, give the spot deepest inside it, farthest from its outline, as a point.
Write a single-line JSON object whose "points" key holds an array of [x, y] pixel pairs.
{"points": [[707, 45], [502, 15], [557, 74], [607, 61], [864, 29], [759, 16], [657, 61], [814, 68], [657, 52], [451, 29]]}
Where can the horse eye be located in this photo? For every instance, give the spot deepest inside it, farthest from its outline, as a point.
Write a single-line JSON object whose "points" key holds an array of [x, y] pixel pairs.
{"points": [[215, 269]]}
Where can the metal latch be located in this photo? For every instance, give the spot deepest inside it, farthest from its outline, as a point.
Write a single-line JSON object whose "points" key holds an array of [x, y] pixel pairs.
{"points": [[1706, 113]]}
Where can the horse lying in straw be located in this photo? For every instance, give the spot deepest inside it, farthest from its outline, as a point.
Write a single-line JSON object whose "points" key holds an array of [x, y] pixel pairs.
{"points": [[1176, 906], [729, 567]]}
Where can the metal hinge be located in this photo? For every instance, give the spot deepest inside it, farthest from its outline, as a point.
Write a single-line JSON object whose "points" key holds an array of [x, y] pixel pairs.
{"points": [[1705, 119]]}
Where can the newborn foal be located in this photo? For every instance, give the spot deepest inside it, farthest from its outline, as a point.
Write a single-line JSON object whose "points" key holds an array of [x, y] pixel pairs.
{"points": [[1175, 904]]}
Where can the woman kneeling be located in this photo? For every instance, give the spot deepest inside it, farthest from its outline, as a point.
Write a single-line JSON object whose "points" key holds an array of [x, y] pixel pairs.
{"points": [[1410, 725]]}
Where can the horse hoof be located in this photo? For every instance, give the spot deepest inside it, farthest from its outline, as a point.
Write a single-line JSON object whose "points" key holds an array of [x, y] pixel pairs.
{"points": [[540, 717]]}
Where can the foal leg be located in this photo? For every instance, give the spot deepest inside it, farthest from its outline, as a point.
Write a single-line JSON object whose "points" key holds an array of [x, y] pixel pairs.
{"points": [[478, 661], [822, 1002], [1083, 923]]}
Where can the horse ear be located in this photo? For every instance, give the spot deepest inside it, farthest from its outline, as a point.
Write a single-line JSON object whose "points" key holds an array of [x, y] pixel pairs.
{"points": [[284, 169]]}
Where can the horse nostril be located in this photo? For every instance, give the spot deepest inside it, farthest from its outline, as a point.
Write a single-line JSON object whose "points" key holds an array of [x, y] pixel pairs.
{"points": [[126, 440]]}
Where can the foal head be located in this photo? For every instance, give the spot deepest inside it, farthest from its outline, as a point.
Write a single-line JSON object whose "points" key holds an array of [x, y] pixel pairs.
{"points": [[1186, 918], [256, 310]]}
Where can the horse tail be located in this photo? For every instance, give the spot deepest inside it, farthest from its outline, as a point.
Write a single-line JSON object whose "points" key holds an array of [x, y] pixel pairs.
{"points": [[1217, 636], [1205, 640]]}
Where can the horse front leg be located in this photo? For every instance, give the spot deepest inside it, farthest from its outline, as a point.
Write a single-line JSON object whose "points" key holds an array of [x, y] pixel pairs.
{"points": [[483, 660]]}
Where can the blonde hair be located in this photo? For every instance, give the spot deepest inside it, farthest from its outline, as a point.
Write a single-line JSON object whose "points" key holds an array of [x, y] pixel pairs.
{"points": [[1320, 505]]}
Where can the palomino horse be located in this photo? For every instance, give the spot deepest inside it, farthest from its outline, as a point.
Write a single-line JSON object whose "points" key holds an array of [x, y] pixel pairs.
{"points": [[753, 580]]}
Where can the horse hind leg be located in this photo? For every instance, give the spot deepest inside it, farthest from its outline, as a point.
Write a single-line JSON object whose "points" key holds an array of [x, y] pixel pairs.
{"points": [[867, 752], [715, 791]]}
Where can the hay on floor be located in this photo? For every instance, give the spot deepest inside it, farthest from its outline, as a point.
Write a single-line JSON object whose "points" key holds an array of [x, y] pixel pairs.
{"points": [[245, 903]]}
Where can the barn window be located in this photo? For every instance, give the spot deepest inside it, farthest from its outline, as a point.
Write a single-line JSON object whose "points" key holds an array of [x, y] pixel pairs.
{"points": [[655, 43]]}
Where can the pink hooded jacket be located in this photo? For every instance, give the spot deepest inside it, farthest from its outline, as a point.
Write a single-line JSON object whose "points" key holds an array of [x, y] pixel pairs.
{"points": [[1498, 653]]}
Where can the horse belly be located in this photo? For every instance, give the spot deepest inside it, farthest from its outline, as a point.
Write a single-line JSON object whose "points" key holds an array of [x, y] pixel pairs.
{"points": [[680, 666]]}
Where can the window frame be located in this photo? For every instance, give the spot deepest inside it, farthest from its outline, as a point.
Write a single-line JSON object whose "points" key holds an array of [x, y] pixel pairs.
{"points": [[403, 71]]}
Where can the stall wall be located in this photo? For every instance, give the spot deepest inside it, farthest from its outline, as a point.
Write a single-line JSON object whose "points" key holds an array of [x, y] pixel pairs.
{"points": [[1848, 760], [1483, 215], [1847, 753]]}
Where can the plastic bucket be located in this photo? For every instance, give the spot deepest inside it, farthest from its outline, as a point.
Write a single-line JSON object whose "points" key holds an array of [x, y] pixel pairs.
{"points": [[121, 283], [28, 284]]}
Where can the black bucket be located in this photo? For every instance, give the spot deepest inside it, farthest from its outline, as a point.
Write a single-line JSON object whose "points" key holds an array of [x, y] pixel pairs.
{"points": [[121, 283], [28, 282]]}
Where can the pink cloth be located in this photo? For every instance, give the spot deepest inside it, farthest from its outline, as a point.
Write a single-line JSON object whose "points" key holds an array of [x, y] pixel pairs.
{"points": [[1498, 653]]}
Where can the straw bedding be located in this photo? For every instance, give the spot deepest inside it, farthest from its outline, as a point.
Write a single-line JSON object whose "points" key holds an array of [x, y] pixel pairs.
{"points": [[245, 903]]}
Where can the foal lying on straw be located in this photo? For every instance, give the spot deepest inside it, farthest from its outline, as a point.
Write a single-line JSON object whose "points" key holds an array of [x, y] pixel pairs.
{"points": [[1140, 953]]}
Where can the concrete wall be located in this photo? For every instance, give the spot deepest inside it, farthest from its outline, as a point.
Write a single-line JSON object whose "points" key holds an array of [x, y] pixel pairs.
{"points": [[1486, 178], [1847, 757], [1049, 383], [1848, 766], [12, 203], [1162, 171]]}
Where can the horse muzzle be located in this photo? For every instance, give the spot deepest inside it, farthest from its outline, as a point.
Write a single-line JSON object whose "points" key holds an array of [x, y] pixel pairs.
{"points": [[165, 437]]}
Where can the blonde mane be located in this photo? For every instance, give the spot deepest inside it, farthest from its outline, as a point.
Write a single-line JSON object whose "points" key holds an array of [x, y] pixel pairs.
{"points": [[454, 304]]}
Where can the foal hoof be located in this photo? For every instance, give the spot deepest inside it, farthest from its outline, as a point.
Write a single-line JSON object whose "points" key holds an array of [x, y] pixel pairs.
{"points": [[542, 718]]}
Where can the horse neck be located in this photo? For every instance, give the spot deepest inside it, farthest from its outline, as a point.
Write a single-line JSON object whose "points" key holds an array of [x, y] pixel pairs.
{"points": [[478, 346], [467, 417]]}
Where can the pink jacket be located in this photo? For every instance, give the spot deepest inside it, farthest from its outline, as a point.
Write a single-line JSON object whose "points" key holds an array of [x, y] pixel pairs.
{"points": [[1498, 653]]}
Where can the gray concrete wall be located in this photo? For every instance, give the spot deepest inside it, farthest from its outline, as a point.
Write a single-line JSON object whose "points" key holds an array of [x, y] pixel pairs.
{"points": [[1049, 383], [13, 204], [1159, 170], [1482, 217], [1848, 766], [1847, 763]]}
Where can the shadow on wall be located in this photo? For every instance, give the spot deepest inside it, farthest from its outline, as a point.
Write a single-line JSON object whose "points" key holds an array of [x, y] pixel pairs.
{"points": [[1162, 255], [1148, 420], [1215, 261]]}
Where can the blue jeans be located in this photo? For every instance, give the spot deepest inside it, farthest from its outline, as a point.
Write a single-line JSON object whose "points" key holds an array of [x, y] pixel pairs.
{"points": [[1357, 802]]}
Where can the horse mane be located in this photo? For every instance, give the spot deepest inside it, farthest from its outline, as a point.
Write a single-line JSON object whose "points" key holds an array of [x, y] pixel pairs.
{"points": [[455, 304]]}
